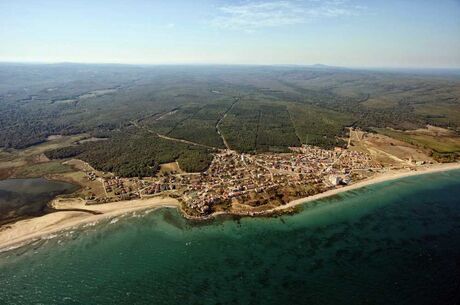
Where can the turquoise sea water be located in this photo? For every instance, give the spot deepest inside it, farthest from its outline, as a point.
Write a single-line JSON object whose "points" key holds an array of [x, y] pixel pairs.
{"points": [[393, 243]]}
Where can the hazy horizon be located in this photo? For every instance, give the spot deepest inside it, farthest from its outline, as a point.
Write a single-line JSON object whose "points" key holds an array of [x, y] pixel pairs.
{"points": [[313, 66], [343, 33]]}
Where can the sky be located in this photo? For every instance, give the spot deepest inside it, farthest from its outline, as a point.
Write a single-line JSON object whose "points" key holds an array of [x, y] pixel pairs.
{"points": [[350, 33]]}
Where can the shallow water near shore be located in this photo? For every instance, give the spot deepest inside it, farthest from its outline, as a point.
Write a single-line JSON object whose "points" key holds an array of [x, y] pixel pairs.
{"points": [[396, 242]]}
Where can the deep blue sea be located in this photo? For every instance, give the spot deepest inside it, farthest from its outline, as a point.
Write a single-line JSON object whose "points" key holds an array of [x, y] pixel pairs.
{"points": [[392, 243]]}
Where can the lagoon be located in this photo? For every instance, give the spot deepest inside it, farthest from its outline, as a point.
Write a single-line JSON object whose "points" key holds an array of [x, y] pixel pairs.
{"points": [[29, 197]]}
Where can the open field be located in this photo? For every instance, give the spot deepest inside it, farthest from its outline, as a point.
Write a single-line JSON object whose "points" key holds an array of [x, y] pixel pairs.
{"points": [[439, 142], [31, 162], [42, 169], [389, 151], [169, 168]]}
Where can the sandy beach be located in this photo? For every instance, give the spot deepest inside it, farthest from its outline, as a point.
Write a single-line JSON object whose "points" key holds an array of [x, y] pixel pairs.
{"points": [[25, 231], [390, 175]]}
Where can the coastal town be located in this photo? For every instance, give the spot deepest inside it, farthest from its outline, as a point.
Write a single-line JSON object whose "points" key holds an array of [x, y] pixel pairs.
{"points": [[245, 182]]}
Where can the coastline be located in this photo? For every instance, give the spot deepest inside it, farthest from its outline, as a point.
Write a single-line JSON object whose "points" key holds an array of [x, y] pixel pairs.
{"points": [[378, 178], [388, 176], [25, 231]]}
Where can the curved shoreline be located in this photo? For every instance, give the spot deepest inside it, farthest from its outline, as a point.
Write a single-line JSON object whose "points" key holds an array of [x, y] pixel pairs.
{"points": [[26, 231], [29, 230], [378, 178], [389, 176]]}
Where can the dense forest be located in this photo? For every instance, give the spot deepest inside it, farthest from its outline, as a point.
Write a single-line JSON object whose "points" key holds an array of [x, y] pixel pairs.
{"points": [[134, 153], [146, 111]]}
